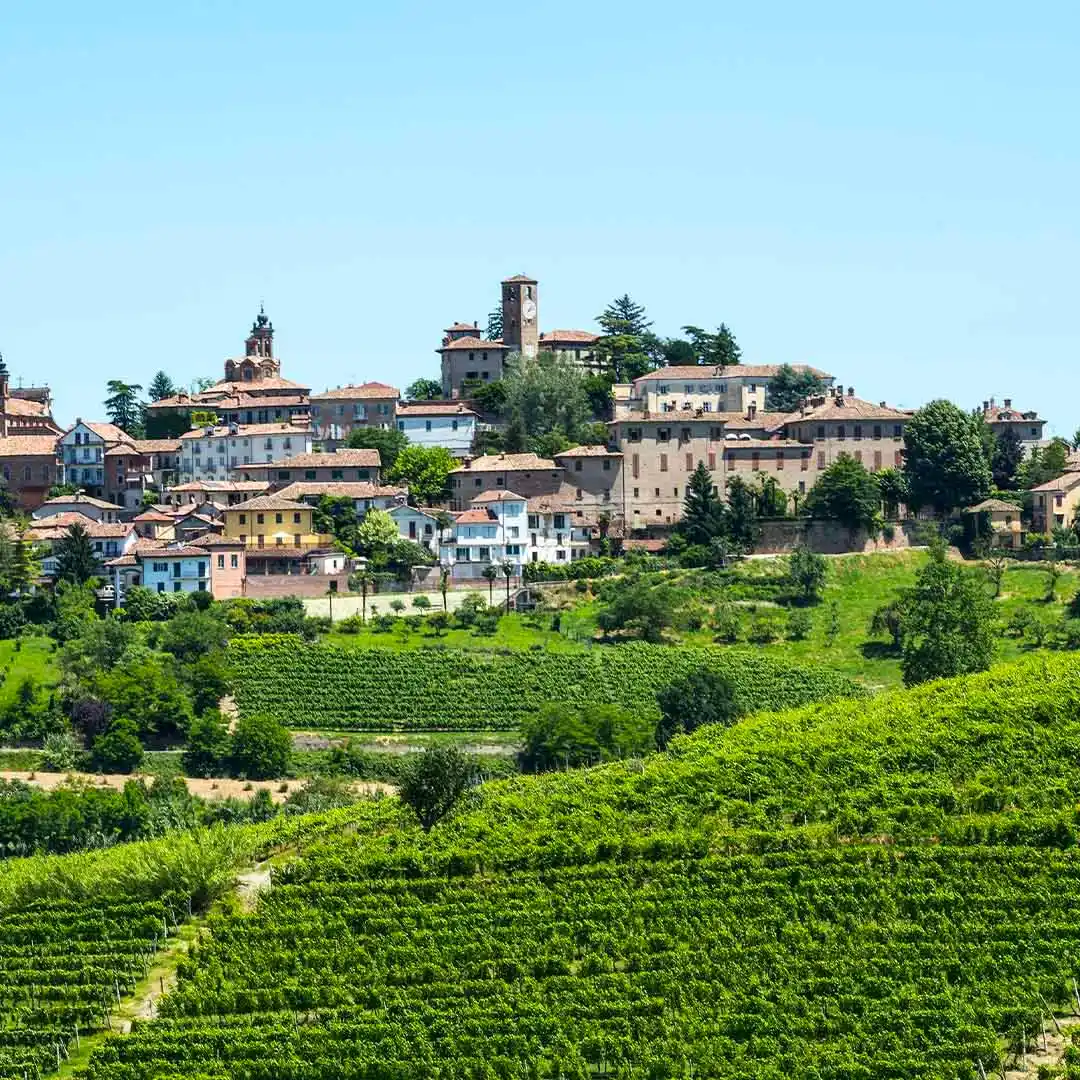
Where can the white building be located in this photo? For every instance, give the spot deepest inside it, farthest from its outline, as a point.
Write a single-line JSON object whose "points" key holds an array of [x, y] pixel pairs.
{"points": [[87, 505], [439, 423], [82, 453], [502, 526], [215, 453], [420, 526]]}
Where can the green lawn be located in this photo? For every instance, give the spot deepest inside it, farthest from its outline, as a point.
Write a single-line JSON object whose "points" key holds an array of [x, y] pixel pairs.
{"points": [[35, 657], [514, 632], [859, 584]]}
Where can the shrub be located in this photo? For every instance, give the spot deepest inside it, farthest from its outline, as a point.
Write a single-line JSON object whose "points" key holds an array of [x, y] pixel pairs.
{"points": [[12, 621], [207, 746], [434, 782], [563, 735], [700, 698], [764, 627], [119, 749], [726, 624], [260, 748], [351, 624], [799, 624], [61, 751], [807, 571]]}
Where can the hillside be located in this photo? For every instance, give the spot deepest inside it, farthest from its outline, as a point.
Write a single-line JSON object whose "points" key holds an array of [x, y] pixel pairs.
{"points": [[875, 888]]}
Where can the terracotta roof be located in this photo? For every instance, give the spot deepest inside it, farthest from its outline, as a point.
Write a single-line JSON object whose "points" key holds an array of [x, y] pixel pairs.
{"points": [[101, 529], [763, 420], [365, 458], [153, 515], [498, 496], [211, 539], [507, 463], [1061, 483], [14, 406], [1001, 414], [475, 517], [434, 408], [337, 489], [588, 451], [176, 401], [989, 505], [108, 432], [123, 560], [78, 499], [459, 326], [472, 343], [59, 523], [361, 390], [695, 372], [157, 446], [173, 551], [631, 544], [580, 337], [416, 510], [221, 485], [849, 408], [224, 431], [238, 386], [269, 502], [524, 279], [124, 450], [759, 444], [28, 446]]}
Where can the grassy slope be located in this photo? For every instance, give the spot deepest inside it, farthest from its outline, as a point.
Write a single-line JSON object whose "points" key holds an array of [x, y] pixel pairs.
{"points": [[35, 658]]}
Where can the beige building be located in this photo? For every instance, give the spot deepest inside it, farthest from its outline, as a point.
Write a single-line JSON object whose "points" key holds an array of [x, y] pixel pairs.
{"points": [[337, 412], [737, 389], [342, 465], [591, 487], [528, 475], [1026, 424], [576, 346], [1055, 503], [1004, 521]]}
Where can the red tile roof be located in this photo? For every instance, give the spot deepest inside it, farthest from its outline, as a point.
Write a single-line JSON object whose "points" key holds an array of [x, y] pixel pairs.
{"points": [[588, 451], [475, 517], [473, 343], [348, 489], [363, 458], [523, 279], [434, 408], [362, 390], [506, 463], [574, 337], [691, 372], [28, 446], [459, 326], [269, 502], [498, 496]]}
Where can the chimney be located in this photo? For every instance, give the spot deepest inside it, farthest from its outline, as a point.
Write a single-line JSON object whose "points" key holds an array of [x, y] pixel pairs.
{"points": [[986, 406], [991, 403], [883, 405], [751, 412], [1008, 403], [851, 391]]}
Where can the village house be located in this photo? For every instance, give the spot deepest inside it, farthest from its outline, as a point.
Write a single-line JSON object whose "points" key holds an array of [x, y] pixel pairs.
{"points": [[1003, 518], [276, 532], [107, 539], [224, 453], [591, 486], [82, 454], [527, 474], [324, 468], [28, 438], [1026, 425], [449, 424], [337, 412], [364, 495], [418, 525], [79, 503], [1055, 503]]}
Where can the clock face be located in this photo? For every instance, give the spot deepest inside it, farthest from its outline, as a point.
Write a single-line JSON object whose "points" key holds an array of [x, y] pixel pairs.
{"points": [[528, 311]]}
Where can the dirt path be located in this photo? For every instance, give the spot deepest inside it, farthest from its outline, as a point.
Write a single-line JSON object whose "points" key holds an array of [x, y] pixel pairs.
{"points": [[209, 788]]}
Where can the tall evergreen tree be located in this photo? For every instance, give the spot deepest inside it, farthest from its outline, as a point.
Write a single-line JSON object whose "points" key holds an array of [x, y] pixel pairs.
{"points": [[623, 316], [75, 559], [741, 519], [720, 349], [161, 386], [1008, 453], [788, 387], [703, 509], [123, 407], [495, 325]]}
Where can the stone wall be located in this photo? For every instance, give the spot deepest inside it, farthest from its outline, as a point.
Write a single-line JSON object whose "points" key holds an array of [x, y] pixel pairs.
{"points": [[264, 586], [829, 537]]}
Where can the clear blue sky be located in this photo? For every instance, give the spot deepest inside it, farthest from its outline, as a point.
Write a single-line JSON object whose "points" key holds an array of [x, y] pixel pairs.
{"points": [[889, 194]]}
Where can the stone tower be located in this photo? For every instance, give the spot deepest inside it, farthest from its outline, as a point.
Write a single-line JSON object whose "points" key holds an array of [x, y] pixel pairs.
{"points": [[520, 311], [260, 342]]}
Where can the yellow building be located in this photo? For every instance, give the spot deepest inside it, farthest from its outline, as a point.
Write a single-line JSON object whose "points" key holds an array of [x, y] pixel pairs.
{"points": [[270, 522]]}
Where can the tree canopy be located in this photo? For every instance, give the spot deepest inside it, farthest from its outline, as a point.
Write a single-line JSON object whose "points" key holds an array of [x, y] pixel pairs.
{"points": [[545, 394], [388, 441], [123, 407], [426, 471], [161, 386], [75, 559], [788, 387], [627, 341], [435, 781], [424, 390], [719, 348], [944, 460], [847, 493]]}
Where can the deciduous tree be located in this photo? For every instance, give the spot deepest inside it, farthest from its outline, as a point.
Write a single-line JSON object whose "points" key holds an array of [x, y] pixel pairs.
{"points": [[388, 441], [426, 470], [261, 748], [700, 698], [788, 387], [807, 570], [944, 461], [424, 390], [434, 783], [847, 493]]}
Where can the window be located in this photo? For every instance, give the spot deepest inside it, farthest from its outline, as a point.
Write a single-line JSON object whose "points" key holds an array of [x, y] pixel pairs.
{"points": [[607, 465], [840, 431], [663, 462], [161, 586], [663, 434], [512, 531], [221, 562], [309, 474], [262, 540], [283, 474], [243, 538], [560, 555], [688, 388], [234, 562], [898, 459], [427, 425], [461, 554], [897, 431], [453, 425], [821, 460], [485, 554], [534, 521], [337, 474], [858, 431], [560, 521], [637, 493], [684, 435], [634, 465], [779, 460], [513, 549], [633, 434], [804, 464], [821, 431], [755, 461], [177, 586], [176, 569], [877, 460], [712, 462], [401, 425], [296, 539], [161, 568], [578, 495], [676, 493], [279, 541], [689, 462], [260, 519], [877, 431], [577, 465], [658, 493], [662, 388]]}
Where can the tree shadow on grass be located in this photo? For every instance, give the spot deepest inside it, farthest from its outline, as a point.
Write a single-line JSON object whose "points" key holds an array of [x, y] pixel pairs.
{"points": [[879, 650]]}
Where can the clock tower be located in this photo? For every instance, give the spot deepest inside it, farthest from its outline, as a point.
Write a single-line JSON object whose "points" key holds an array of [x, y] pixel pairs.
{"points": [[521, 325]]}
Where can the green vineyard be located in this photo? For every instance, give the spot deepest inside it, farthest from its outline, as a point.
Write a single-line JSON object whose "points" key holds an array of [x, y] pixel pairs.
{"points": [[883, 888], [351, 689]]}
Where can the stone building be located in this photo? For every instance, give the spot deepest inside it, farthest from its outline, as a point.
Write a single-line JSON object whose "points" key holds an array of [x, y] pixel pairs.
{"points": [[338, 411]]}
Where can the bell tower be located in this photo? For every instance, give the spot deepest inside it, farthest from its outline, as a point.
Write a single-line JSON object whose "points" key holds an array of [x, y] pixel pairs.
{"points": [[520, 311], [260, 342]]}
